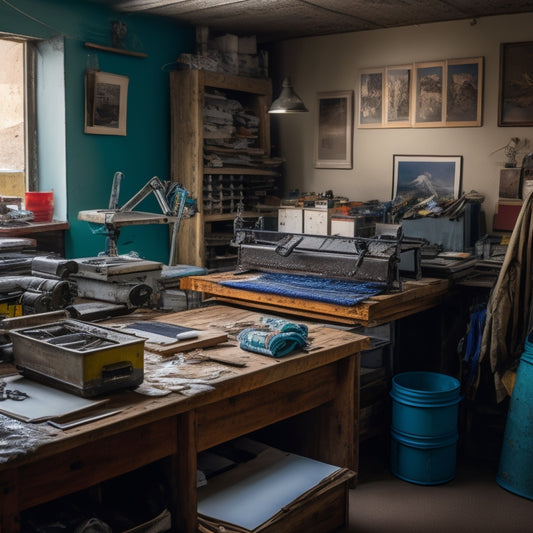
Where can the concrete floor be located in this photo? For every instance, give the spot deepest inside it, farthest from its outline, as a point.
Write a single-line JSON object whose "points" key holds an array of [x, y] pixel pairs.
{"points": [[472, 502]]}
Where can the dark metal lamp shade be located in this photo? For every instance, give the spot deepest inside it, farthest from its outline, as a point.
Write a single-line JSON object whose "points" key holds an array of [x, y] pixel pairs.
{"points": [[288, 101]]}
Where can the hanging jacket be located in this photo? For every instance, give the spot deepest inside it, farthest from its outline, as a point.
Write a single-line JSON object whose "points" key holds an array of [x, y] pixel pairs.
{"points": [[509, 313]]}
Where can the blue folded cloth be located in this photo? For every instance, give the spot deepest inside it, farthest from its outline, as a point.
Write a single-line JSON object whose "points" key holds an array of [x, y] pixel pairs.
{"points": [[279, 337]]}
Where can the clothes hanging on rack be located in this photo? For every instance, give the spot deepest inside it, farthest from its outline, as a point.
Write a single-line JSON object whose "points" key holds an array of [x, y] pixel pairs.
{"points": [[509, 309]]}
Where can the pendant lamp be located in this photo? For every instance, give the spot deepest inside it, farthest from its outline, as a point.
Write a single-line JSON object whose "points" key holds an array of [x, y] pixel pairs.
{"points": [[288, 101]]}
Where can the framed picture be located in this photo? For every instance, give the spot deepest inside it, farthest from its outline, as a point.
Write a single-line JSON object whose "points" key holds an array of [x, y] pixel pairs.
{"points": [[106, 98], [334, 130], [516, 87], [371, 89], [464, 92], [510, 183], [429, 95], [398, 96], [422, 176]]}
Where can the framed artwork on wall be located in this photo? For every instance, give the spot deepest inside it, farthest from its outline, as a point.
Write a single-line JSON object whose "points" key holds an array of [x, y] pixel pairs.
{"points": [[398, 95], [371, 93], [106, 98], [429, 94], [464, 92], [436, 94], [334, 130], [516, 84], [422, 176]]}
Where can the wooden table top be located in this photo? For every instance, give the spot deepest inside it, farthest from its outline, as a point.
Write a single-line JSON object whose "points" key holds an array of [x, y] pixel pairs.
{"points": [[415, 296], [327, 345], [119, 219], [32, 227]]}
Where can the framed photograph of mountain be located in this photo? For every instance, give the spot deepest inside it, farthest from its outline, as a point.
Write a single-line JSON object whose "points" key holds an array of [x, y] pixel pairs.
{"points": [[423, 176], [516, 84]]}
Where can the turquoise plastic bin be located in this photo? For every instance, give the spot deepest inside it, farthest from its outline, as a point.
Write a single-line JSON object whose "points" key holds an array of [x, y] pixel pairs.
{"points": [[425, 403], [515, 472], [424, 460], [424, 427]]}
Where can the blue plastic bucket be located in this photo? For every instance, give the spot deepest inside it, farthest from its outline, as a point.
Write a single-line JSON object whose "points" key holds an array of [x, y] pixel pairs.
{"points": [[424, 427], [425, 404], [424, 460], [515, 471]]}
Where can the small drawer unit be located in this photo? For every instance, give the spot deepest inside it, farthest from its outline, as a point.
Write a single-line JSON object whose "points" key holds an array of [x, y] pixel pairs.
{"points": [[290, 220], [343, 226], [317, 221]]}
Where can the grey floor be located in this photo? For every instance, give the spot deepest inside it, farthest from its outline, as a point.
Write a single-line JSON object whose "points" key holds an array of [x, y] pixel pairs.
{"points": [[472, 502]]}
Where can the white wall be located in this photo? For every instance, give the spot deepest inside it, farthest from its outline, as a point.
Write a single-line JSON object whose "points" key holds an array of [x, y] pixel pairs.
{"points": [[331, 63]]}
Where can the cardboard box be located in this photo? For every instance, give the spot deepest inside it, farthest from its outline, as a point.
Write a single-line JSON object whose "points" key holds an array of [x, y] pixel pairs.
{"points": [[506, 214]]}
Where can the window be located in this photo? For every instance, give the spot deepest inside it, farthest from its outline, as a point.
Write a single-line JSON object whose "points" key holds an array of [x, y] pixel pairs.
{"points": [[16, 112]]}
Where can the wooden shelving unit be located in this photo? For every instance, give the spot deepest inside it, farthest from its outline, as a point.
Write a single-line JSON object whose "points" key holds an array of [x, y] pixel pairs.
{"points": [[187, 95]]}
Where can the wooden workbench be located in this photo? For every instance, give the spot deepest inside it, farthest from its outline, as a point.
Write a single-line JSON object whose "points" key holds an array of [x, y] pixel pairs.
{"points": [[319, 385], [414, 297], [49, 236]]}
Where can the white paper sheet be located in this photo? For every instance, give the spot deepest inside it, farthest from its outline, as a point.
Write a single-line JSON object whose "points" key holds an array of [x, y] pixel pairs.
{"points": [[253, 492], [44, 402]]}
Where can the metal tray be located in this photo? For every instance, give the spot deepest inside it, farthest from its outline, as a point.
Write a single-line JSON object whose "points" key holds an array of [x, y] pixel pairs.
{"points": [[79, 357]]}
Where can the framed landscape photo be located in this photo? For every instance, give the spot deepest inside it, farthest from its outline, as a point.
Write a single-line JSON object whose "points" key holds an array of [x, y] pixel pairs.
{"points": [[398, 95], [429, 96], [106, 98], [516, 84], [464, 92], [371, 94], [422, 176], [334, 130]]}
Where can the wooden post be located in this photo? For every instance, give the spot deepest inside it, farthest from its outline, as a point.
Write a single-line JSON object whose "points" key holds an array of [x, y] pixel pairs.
{"points": [[183, 476]]}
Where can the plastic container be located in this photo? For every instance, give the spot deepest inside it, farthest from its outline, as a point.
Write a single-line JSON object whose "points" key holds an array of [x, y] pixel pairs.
{"points": [[424, 427], [424, 460], [425, 403], [515, 472], [41, 204]]}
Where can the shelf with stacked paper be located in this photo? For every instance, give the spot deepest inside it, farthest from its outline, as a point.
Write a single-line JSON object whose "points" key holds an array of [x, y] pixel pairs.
{"points": [[220, 153]]}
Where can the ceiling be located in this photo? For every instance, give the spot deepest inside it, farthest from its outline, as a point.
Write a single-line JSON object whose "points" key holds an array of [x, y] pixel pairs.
{"points": [[275, 20]]}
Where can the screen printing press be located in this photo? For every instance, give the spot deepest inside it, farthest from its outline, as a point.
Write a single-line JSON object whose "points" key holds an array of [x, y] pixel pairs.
{"points": [[367, 281]]}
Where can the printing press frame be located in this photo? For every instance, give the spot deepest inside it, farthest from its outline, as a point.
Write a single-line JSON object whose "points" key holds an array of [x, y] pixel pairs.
{"points": [[355, 259]]}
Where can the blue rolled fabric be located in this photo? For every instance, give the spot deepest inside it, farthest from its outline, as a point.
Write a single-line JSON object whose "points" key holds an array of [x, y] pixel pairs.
{"points": [[272, 343], [280, 324], [281, 337]]}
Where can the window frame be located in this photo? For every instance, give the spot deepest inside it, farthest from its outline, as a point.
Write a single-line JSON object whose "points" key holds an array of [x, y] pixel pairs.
{"points": [[31, 174]]}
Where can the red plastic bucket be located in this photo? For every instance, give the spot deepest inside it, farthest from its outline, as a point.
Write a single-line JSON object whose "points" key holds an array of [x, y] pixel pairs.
{"points": [[41, 204]]}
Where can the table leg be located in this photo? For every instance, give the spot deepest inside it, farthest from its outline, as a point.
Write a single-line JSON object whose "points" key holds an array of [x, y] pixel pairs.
{"points": [[330, 431], [338, 439], [183, 476], [9, 514]]}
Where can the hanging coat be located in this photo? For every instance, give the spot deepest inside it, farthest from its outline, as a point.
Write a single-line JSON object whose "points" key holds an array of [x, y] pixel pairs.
{"points": [[509, 311]]}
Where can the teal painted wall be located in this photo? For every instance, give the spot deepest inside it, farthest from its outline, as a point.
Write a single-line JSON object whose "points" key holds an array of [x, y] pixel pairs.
{"points": [[92, 160]]}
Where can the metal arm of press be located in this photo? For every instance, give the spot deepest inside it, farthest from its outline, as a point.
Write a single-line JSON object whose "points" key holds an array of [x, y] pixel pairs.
{"points": [[154, 185]]}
